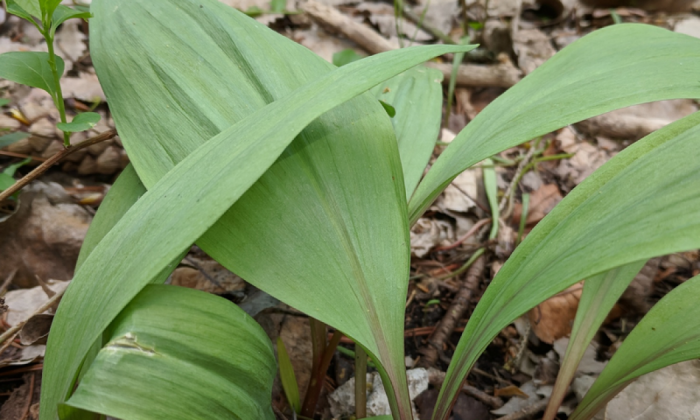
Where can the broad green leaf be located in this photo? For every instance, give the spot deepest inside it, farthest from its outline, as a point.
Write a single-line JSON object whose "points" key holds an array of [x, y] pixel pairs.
{"points": [[600, 293], [63, 13], [81, 122], [17, 10], [417, 97], [177, 353], [642, 203], [31, 69], [345, 56], [611, 68], [125, 191], [8, 139], [4, 101], [287, 377], [186, 203], [31, 7], [303, 192], [668, 334]]}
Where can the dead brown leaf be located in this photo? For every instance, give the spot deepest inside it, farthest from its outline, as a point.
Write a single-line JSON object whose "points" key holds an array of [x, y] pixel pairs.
{"points": [[553, 318], [542, 201]]}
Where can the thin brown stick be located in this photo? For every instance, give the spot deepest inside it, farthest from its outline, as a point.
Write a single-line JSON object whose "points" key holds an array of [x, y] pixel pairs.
{"points": [[436, 378], [457, 310], [53, 160], [7, 281], [314, 392], [49, 303], [466, 236], [30, 397], [21, 155], [502, 74]]}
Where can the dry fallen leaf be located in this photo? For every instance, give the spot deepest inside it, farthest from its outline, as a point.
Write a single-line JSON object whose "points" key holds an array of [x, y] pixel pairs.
{"points": [[43, 238], [542, 201], [553, 318]]}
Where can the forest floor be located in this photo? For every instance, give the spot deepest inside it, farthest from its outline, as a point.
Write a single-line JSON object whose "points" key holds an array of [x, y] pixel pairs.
{"points": [[41, 237]]}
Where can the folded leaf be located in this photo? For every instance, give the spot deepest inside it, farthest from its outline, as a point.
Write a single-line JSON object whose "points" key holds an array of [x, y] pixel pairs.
{"points": [[177, 353], [668, 334], [642, 203], [611, 68], [416, 96]]}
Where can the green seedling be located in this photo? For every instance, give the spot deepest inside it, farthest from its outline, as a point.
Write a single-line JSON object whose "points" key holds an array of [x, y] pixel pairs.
{"points": [[44, 70], [288, 172]]}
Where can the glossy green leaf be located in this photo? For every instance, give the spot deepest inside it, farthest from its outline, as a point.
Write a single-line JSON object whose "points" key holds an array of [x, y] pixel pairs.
{"points": [[642, 203], [63, 13], [600, 293], [178, 353], [611, 68], [212, 176], [668, 334], [288, 378], [345, 56], [416, 96], [31, 69], [31, 7], [8, 139], [81, 122]]}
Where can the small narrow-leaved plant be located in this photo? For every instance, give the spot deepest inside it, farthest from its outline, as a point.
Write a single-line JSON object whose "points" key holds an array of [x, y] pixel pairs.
{"points": [[291, 174]]}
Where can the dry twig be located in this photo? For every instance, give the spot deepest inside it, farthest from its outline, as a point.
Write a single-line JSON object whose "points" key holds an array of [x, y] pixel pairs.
{"points": [[504, 74], [457, 309], [53, 160], [436, 378], [11, 332]]}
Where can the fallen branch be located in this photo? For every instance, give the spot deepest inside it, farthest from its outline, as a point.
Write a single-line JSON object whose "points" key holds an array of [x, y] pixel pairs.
{"points": [[436, 378], [329, 17], [621, 126], [504, 74], [456, 311], [53, 160]]}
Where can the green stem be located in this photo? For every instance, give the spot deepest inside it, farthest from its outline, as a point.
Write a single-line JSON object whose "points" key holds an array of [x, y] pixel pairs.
{"points": [[58, 99]]}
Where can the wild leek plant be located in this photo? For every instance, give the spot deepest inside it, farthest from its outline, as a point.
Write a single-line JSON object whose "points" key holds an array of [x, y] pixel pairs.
{"points": [[285, 171]]}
